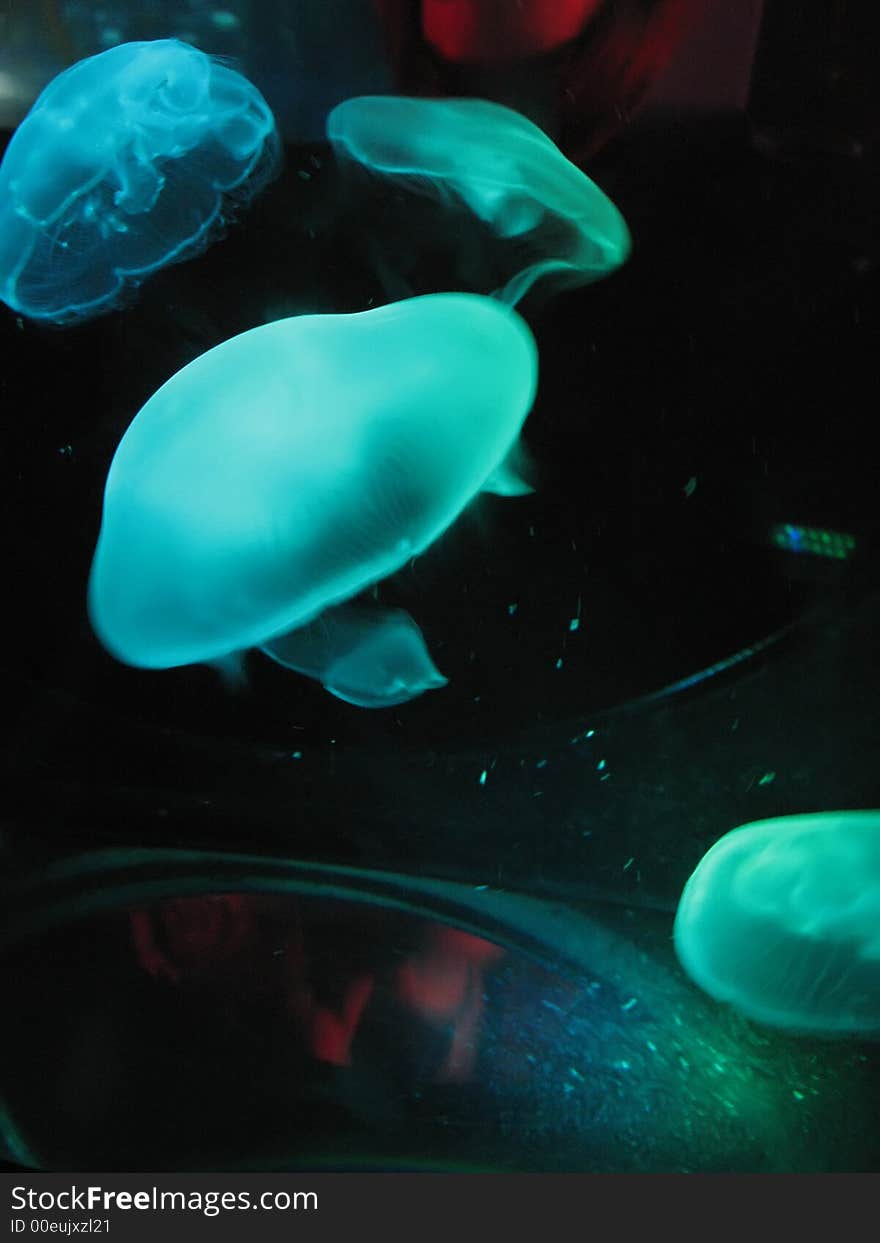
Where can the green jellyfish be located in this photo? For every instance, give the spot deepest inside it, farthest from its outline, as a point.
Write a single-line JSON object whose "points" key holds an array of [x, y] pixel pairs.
{"points": [[782, 920], [507, 171], [288, 469]]}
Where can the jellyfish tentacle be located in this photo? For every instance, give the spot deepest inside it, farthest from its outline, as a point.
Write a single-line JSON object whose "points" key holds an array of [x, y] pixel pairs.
{"points": [[369, 656], [509, 478]]}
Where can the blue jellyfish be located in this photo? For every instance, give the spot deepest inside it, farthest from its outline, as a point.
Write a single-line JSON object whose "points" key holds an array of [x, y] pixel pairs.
{"points": [[504, 168], [128, 161], [290, 468], [373, 658], [782, 920]]}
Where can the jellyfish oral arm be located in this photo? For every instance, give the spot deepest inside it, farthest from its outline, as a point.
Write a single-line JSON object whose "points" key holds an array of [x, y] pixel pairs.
{"points": [[367, 656]]}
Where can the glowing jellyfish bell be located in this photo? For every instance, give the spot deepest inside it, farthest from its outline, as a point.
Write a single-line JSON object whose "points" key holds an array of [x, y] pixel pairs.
{"points": [[507, 171], [782, 920], [128, 161], [286, 470]]}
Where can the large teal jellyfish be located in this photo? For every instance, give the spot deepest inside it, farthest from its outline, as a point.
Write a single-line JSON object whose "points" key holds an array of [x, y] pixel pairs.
{"points": [[507, 171], [782, 920], [128, 161], [288, 469]]}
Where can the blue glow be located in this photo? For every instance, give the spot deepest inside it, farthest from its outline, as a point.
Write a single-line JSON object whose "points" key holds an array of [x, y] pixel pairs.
{"points": [[128, 161]]}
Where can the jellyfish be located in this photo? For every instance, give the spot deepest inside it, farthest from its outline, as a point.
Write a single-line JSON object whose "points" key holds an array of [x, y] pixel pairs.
{"points": [[782, 920], [128, 161], [503, 167], [292, 467], [373, 658]]}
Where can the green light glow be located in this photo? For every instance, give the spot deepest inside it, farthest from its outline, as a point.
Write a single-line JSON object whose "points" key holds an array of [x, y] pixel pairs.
{"points": [[782, 920], [503, 167], [812, 540], [294, 466]]}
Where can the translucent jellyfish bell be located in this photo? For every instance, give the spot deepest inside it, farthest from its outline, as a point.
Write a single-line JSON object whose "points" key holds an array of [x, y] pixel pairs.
{"points": [[782, 920], [293, 466], [507, 171], [128, 161]]}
